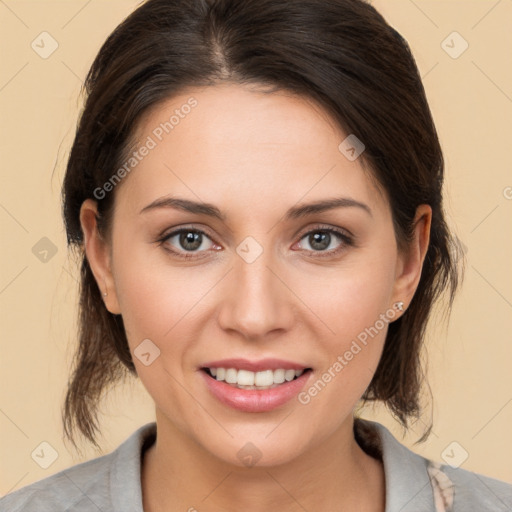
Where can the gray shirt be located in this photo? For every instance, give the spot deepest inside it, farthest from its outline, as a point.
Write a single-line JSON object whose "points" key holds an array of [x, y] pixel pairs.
{"points": [[112, 482]]}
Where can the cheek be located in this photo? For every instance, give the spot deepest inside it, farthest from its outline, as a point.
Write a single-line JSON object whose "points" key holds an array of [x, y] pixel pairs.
{"points": [[350, 299], [154, 295], [358, 314], [158, 303], [354, 306]]}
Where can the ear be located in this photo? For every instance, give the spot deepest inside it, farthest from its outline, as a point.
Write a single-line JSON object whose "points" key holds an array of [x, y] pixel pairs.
{"points": [[410, 262], [98, 254]]}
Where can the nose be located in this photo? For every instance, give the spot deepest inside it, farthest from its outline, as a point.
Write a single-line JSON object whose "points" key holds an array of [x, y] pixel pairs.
{"points": [[256, 299]]}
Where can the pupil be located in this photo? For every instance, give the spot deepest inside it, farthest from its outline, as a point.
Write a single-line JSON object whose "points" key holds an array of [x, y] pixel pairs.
{"points": [[319, 239], [189, 240]]}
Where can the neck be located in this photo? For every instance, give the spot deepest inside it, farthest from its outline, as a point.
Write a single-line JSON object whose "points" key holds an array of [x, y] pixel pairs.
{"points": [[334, 474]]}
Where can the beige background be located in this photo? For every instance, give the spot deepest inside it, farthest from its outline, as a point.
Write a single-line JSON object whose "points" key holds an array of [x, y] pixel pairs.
{"points": [[471, 99]]}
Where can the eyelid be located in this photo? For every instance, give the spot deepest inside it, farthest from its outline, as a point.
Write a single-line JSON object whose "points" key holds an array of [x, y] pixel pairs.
{"points": [[326, 227], [176, 230]]}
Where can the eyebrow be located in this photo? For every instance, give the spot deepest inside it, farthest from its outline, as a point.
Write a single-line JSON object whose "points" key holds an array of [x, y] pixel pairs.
{"points": [[295, 212]]}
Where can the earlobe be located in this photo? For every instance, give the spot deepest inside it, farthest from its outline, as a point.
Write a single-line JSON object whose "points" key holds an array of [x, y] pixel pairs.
{"points": [[98, 255], [410, 263]]}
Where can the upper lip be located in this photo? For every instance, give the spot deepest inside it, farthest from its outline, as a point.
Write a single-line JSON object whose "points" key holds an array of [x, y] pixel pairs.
{"points": [[255, 366]]}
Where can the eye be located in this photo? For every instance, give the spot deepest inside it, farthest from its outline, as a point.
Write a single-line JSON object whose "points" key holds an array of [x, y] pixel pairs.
{"points": [[187, 240], [190, 242], [323, 237]]}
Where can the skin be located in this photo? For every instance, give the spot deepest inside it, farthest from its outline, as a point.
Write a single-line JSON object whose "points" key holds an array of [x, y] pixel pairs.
{"points": [[289, 303]]}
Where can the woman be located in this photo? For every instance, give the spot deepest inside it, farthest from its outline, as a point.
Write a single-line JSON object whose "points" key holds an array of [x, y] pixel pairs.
{"points": [[255, 188]]}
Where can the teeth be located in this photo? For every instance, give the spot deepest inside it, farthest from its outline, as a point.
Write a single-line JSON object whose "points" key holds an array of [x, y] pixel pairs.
{"points": [[245, 379], [279, 376], [265, 378], [289, 374], [231, 376]]}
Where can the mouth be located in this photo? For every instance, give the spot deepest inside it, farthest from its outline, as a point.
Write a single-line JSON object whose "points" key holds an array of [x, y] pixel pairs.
{"points": [[254, 380], [254, 386], [254, 391]]}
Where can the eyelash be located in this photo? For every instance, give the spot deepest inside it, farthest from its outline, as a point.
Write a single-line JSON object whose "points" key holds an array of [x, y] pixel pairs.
{"points": [[347, 241]]}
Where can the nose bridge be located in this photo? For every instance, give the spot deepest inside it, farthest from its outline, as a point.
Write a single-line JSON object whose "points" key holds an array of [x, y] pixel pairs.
{"points": [[257, 302]]}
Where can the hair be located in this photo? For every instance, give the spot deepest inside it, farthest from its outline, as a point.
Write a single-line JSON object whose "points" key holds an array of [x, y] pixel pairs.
{"points": [[342, 55]]}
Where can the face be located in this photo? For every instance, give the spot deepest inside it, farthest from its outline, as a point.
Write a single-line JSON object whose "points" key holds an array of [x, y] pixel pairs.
{"points": [[261, 280]]}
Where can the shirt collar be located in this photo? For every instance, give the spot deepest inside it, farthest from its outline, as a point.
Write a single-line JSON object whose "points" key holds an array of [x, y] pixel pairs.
{"points": [[408, 486], [125, 475]]}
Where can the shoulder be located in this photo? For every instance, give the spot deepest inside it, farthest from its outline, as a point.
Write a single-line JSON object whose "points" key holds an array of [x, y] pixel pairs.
{"points": [[69, 489], [473, 491], [414, 483], [105, 483]]}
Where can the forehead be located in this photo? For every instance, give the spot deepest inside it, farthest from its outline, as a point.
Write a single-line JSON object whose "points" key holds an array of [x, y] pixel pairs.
{"points": [[232, 143], [221, 111]]}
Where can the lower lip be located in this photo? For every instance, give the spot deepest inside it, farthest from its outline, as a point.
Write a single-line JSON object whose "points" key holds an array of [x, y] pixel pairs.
{"points": [[254, 400]]}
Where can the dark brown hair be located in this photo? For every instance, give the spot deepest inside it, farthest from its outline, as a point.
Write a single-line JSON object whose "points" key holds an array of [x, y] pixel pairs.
{"points": [[339, 53]]}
